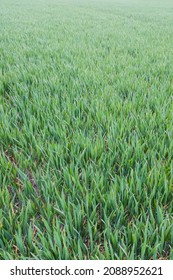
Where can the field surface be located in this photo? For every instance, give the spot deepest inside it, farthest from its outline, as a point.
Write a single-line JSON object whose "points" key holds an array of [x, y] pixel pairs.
{"points": [[86, 129]]}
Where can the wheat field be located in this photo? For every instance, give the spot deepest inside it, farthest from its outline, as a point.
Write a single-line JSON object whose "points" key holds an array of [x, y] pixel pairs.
{"points": [[86, 129]]}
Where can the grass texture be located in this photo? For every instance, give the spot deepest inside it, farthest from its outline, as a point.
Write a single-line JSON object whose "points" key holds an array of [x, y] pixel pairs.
{"points": [[86, 129]]}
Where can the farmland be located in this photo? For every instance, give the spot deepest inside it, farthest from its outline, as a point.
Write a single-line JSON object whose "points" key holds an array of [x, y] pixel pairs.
{"points": [[86, 129]]}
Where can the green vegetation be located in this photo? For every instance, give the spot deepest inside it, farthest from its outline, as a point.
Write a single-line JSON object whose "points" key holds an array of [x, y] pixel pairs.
{"points": [[86, 129]]}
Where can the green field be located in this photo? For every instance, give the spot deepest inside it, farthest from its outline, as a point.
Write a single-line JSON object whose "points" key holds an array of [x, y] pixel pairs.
{"points": [[86, 129]]}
